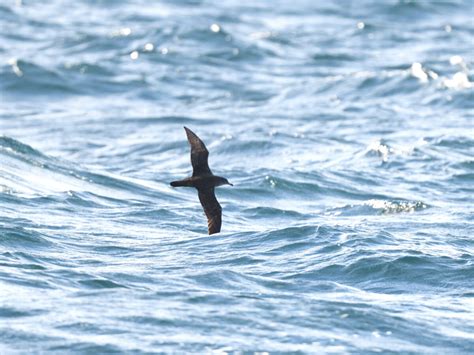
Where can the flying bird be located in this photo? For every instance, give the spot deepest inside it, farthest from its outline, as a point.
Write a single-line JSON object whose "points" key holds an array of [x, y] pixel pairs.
{"points": [[204, 181]]}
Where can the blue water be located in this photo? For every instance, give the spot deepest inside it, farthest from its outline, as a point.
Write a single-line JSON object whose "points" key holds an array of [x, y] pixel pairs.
{"points": [[347, 129]]}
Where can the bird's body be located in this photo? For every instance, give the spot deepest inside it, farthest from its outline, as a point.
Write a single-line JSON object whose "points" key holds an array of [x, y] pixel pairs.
{"points": [[201, 182], [204, 181]]}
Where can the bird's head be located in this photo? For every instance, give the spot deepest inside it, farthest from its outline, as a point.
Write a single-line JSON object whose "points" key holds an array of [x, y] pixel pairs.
{"points": [[224, 181]]}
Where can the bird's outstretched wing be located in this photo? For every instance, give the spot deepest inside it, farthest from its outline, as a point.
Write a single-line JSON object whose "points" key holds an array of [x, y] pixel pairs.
{"points": [[199, 154], [212, 209]]}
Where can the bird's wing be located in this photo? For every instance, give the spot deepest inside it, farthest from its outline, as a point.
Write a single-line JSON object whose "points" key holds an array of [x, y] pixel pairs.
{"points": [[199, 154], [212, 209]]}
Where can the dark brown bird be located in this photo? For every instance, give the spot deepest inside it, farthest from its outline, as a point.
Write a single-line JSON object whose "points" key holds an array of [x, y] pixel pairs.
{"points": [[204, 181]]}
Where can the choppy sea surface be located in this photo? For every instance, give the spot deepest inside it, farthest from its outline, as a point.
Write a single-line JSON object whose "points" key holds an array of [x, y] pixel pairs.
{"points": [[345, 126]]}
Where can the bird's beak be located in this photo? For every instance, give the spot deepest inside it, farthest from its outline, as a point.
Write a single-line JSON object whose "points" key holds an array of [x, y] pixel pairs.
{"points": [[231, 184]]}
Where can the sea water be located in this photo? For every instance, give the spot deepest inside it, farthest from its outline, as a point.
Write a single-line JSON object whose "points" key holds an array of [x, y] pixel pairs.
{"points": [[346, 128]]}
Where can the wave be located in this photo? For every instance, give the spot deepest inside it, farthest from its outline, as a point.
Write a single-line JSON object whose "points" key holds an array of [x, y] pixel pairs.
{"points": [[26, 172], [376, 207]]}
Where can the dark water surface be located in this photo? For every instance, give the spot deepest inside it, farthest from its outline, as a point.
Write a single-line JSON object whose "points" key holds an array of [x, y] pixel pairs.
{"points": [[346, 127]]}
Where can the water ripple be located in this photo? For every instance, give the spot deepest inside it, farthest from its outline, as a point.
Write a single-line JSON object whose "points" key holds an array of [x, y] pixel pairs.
{"points": [[347, 132]]}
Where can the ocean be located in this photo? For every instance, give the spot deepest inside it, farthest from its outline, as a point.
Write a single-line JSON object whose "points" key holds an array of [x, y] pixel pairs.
{"points": [[346, 127]]}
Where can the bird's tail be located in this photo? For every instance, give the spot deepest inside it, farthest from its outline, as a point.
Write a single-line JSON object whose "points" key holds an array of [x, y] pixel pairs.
{"points": [[185, 182]]}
